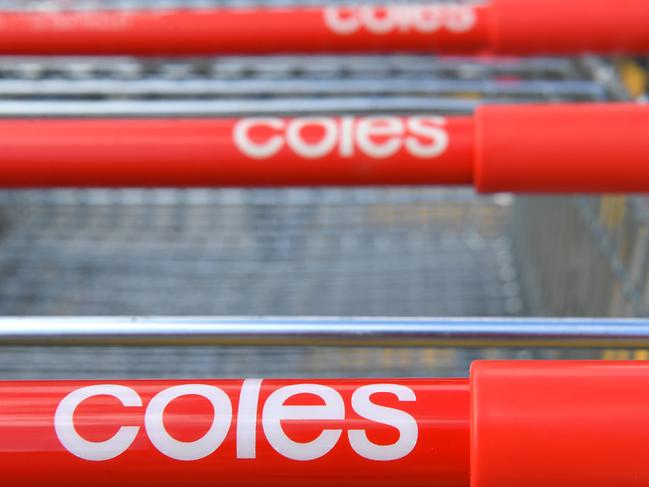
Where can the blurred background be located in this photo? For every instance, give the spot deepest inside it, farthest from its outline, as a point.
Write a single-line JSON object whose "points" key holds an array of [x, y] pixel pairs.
{"points": [[389, 252]]}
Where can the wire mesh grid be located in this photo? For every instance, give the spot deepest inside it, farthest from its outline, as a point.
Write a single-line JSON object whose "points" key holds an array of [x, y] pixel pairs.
{"points": [[217, 362], [240, 86], [602, 244], [232, 252], [334, 252]]}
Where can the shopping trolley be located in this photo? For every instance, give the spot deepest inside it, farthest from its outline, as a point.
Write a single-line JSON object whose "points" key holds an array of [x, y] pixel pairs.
{"points": [[393, 253], [295, 252]]}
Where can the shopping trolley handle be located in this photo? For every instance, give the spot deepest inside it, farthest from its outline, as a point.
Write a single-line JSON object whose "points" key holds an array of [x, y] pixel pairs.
{"points": [[533, 423], [498, 26], [510, 148]]}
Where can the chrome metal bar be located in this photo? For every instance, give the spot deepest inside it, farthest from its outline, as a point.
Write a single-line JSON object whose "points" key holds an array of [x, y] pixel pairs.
{"points": [[357, 332], [301, 87], [548, 69], [242, 107]]}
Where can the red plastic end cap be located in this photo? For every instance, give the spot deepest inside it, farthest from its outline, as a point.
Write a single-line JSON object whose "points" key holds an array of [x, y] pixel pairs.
{"points": [[560, 424], [563, 148], [569, 26]]}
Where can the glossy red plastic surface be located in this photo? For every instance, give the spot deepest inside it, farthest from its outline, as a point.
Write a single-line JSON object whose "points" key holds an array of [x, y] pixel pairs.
{"points": [[236, 152], [560, 424], [498, 26], [562, 148], [532, 423], [525, 148], [246, 31], [569, 26], [230, 432]]}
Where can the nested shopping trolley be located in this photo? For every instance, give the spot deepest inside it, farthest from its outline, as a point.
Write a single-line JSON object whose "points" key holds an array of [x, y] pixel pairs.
{"points": [[395, 251], [305, 258]]}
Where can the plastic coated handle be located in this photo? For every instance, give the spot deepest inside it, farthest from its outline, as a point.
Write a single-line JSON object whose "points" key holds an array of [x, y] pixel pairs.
{"points": [[238, 433], [525, 148], [499, 26], [565, 424], [534, 423], [562, 148]]}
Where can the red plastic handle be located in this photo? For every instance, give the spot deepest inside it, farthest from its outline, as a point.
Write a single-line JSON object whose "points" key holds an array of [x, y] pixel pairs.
{"points": [[569, 26], [499, 26], [566, 424], [562, 148], [246, 31], [236, 152], [526, 148], [237, 433]]}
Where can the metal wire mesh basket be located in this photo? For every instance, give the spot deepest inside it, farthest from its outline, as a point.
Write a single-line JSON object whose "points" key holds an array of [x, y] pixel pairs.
{"points": [[306, 252]]}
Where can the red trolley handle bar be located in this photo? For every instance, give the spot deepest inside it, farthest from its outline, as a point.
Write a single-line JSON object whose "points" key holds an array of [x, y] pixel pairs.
{"points": [[497, 26], [527, 148], [568, 424]]}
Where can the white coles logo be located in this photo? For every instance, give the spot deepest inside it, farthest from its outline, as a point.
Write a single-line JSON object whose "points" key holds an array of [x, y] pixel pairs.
{"points": [[424, 19], [317, 137], [273, 411]]}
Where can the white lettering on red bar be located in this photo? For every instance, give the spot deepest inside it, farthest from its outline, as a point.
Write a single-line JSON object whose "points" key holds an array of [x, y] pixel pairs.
{"points": [[95, 450], [377, 137], [424, 19], [274, 411]]}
